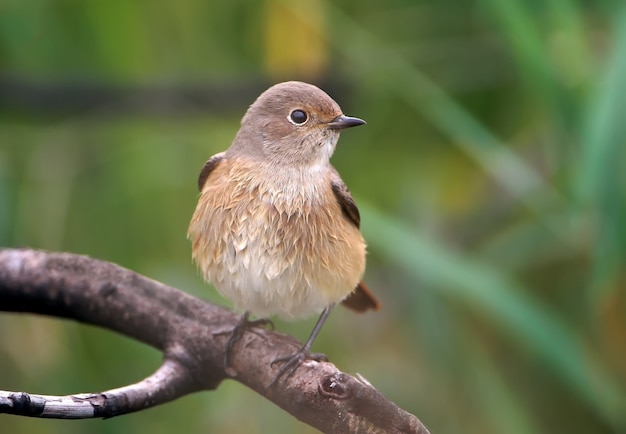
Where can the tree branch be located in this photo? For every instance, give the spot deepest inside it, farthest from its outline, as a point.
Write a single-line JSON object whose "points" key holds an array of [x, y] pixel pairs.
{"points": [[187, 331]]}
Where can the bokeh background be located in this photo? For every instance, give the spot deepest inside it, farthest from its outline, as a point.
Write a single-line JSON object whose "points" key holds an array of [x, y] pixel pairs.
{"points": [[491, 179]]}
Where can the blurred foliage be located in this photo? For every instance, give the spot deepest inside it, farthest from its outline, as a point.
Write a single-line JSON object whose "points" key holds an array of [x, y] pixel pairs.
{"points": [[490, 178]]}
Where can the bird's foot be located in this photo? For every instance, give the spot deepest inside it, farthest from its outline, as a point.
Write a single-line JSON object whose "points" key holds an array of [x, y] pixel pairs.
{"points": [[293, 361], [237, 332]]}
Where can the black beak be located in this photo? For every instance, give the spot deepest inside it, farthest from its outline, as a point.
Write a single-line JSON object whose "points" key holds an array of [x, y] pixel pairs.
{"points": [[341, 122]]}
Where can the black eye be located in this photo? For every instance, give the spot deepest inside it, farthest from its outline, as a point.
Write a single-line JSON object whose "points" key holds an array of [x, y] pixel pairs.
{"points": [[298, 117]]}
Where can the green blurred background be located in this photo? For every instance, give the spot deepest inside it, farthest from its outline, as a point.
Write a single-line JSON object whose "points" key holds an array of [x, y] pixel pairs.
{"points": [[491, 179]]}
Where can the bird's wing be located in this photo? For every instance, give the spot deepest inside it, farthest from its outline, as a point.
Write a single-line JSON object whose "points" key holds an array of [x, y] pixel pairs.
{"points": [[208, 167], [361, 299], [347, 203]]}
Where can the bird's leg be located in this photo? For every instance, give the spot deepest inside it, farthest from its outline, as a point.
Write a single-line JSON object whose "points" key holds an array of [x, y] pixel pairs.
{"points": [[294, 360], [237, 332]]}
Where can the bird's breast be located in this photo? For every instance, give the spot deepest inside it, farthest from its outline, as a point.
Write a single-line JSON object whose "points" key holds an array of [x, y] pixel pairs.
{"points": [[276, 243]]}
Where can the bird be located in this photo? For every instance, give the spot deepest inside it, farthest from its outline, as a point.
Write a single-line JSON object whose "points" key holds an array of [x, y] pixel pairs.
{"points": [[276, 229]]}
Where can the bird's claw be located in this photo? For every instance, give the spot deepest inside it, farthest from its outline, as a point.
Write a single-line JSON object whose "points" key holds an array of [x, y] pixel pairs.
{"points": [[237, 332], [293, 361]]}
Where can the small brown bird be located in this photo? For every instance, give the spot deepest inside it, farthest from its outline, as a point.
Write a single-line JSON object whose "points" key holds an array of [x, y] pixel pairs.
{"points": [[275, 229]]}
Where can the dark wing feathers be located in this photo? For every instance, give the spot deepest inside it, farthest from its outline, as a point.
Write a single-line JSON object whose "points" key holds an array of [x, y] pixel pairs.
{"points": [[208, 167], [361, 299], [347, 203]]}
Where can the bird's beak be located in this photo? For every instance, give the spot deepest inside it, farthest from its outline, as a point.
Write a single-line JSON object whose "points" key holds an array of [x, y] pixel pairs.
{"points": [[341, 122]]}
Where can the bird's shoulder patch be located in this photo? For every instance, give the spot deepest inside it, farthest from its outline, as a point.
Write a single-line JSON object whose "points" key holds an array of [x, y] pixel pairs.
{"points": [[208, 168], [345, 199]]}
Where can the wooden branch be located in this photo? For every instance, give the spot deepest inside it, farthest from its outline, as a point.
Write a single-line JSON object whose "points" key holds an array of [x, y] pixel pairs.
{"points": [[189, 332]]}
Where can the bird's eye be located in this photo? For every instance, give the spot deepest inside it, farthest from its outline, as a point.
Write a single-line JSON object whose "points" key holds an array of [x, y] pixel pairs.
{"points": [[298, 117]]}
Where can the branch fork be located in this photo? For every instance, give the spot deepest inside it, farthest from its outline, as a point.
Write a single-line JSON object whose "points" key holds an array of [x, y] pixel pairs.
{"points": [[187, 331]]}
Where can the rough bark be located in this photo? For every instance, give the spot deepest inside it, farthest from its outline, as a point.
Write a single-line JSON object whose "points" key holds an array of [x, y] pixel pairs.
{"points": [[190, 334]]}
